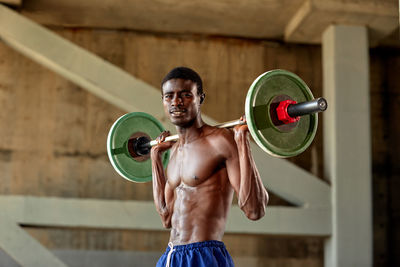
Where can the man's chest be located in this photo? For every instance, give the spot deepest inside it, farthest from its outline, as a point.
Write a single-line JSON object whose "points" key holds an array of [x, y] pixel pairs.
{"points": [[193, 164]]}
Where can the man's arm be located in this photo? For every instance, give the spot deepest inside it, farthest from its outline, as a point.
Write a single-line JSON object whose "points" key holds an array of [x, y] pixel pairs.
{"points": [[162, 193], [245, 179]]}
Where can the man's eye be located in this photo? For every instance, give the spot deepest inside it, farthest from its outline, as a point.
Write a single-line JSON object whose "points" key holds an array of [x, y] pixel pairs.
{"points": [[187, 95], [167, 96]]}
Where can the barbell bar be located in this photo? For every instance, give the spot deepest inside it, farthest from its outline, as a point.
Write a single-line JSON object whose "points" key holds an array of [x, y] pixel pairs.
{"points": [[280, 112], [142, 145]]}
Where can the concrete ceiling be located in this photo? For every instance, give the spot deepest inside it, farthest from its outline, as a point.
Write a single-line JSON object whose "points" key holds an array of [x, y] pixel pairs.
{"points": [[299, 21]]}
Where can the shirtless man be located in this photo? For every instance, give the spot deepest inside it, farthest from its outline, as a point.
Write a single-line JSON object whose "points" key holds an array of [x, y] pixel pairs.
{"points": [[207, 164]]}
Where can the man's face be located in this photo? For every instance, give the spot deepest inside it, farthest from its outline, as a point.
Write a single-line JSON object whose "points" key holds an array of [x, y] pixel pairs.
{"points": [[181, 101]]}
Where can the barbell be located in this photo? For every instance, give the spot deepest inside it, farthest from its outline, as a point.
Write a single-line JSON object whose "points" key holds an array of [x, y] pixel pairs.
{"points": [[280, 112]]}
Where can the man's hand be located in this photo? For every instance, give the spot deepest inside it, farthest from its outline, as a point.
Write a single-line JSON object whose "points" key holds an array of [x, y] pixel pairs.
{"points": [[241, 131], [161, 144]]}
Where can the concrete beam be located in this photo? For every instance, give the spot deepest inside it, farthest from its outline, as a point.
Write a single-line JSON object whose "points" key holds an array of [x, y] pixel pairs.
{"points": [[113, 214], [248, 19], [347, 145], [243, 18], [23, 248], [11, 2], [314, 16], [290, 182], [283, 221]]}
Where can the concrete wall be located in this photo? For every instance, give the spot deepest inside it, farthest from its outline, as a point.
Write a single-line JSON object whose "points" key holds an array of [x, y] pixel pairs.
{"points": [[385, 112], [52, 134]]}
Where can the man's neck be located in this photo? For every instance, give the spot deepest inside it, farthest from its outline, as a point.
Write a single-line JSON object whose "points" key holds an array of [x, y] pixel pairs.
{"points": [[190, 133]]}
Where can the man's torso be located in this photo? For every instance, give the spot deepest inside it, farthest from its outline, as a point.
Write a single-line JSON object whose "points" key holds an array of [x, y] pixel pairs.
{"points": [[202, 192]]}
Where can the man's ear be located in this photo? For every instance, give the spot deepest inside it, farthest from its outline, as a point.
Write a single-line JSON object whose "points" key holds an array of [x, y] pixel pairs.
{"points": [[202, 97]]}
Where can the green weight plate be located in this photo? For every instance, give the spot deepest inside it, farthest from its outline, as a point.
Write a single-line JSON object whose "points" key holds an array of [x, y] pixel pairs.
{"points": [[267, 87], [117, 145]]}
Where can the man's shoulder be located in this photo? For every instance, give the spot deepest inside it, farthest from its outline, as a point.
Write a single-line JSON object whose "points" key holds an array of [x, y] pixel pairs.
{"points": [[219, 136], [213, 132]]}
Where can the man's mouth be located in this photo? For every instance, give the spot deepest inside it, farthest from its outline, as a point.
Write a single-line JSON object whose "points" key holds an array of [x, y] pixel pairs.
{"points": [[177, 112]]}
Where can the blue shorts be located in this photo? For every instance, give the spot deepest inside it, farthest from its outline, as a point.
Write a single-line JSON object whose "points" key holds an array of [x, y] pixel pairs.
{"points": [[201, 254]]}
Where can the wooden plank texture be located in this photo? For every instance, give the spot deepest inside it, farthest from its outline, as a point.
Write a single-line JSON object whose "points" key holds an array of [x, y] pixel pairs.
{"points": [[118, 87]]}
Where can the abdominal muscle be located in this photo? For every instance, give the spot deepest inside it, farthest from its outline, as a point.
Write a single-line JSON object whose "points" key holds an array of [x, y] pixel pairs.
{"points": [[200, 211]]}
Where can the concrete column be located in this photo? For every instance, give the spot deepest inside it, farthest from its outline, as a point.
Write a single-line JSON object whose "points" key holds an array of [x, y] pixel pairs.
{"points": [[347, 145]]}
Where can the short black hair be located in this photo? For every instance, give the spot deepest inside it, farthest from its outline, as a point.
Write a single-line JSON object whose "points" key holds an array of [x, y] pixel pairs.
{"points": [[186, 74]]}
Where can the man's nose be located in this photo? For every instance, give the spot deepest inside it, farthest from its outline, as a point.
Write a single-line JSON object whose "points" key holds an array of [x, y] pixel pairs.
{"points": [[176, 100]]}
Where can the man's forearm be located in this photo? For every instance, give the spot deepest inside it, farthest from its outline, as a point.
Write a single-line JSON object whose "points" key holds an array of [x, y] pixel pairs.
{"points": [[159, 183], [252, 195]]}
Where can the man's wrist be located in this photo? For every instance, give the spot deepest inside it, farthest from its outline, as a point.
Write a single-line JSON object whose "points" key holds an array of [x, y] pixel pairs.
{"points": [[155, 151], [241, 137], [242, 143]]}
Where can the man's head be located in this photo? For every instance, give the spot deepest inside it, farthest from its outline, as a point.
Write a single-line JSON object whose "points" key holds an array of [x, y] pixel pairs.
{"points": [[185, 74], [182, 92]]}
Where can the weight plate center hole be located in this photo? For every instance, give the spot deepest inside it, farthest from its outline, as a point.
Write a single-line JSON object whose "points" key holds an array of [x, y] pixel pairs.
{"points": [[136, 147]]}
